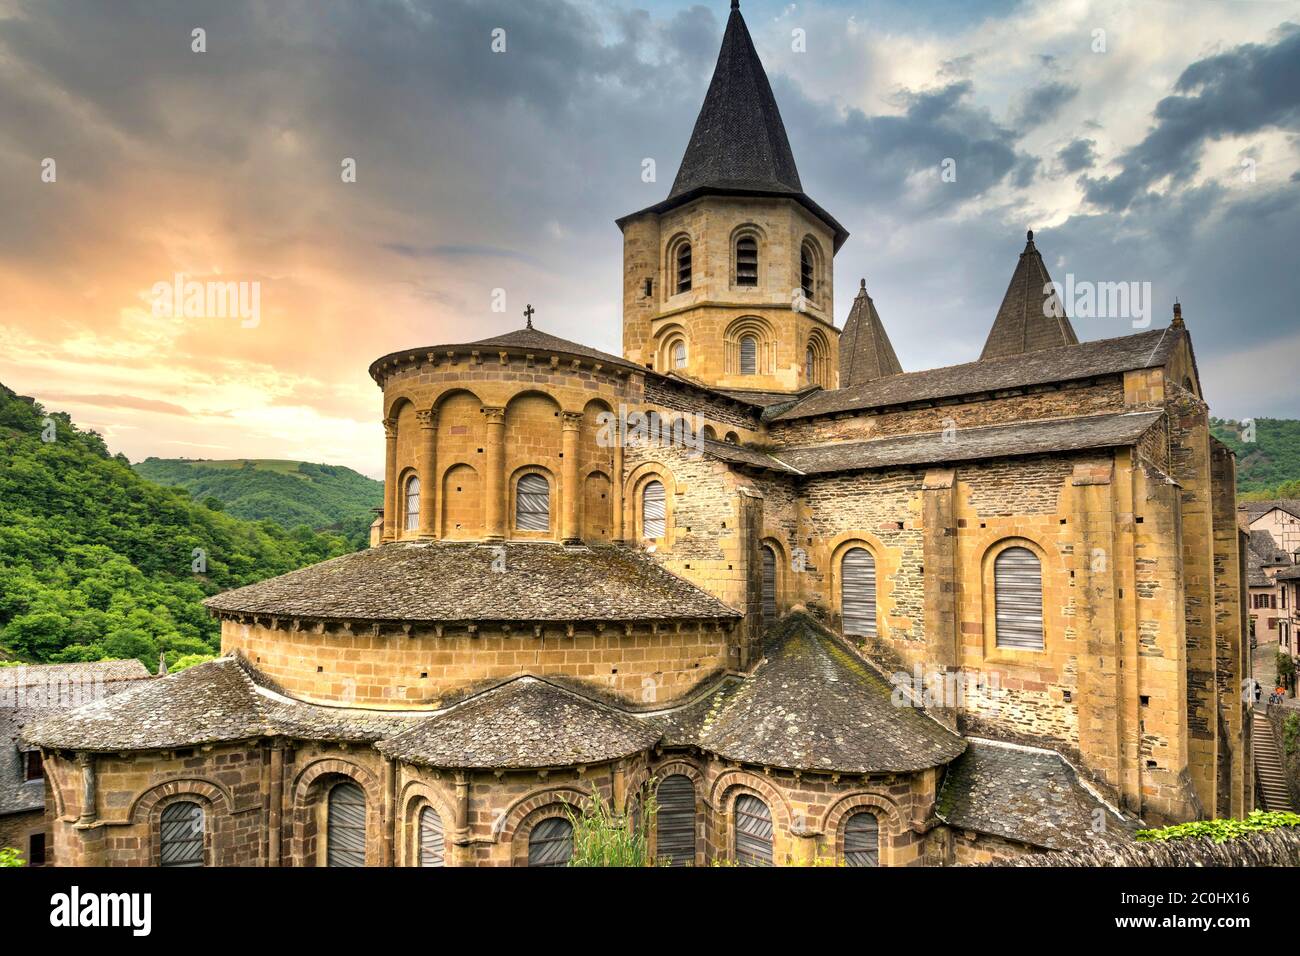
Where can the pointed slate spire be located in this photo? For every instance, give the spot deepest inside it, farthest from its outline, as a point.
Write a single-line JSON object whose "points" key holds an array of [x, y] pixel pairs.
{"points": [[865, 350], [1030, 318], [739, 141]]}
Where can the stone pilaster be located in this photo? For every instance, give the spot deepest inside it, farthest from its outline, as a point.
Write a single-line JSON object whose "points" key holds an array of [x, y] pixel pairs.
{"points": [[570, 532], [494, 501], [428, 419], [390, 479]]}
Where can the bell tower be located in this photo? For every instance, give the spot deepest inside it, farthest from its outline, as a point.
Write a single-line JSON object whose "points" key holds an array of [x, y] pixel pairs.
{"points": [[728, 281]]}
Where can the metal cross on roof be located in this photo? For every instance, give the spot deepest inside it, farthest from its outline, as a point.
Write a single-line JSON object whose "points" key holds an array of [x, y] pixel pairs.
{"points": [[528, 315]]}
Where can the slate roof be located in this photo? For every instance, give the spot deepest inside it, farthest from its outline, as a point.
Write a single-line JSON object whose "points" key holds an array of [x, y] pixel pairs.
{"points": [[866, 353], [455, 581], [525, 722], [523, 340], [1086, 360], [1029, 318], [1257, 509], [1114, 430], [813, 704], [31, 692], [1025, 794], [1263, 544], [1255, 576]]}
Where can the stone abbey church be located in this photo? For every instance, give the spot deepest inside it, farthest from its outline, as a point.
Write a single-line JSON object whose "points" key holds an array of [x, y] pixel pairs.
{"points": [[844, 613]]}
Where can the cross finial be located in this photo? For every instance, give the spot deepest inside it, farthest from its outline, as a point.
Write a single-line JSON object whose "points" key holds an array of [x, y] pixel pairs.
{"points": [[528, 315]]}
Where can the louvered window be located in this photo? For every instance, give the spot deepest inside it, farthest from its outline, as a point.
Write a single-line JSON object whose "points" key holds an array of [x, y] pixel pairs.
{"points": [[679, 355], [747, 261], [533, 503], [862, 840], [431, 842], [769, 585], [684, 267], [858, 592], [675, 821], [748, 355], [753, 832], [806, 272], [1018, 597], [181, 834], [653, 510], [346, 826], [551, 843], [413, 503]]}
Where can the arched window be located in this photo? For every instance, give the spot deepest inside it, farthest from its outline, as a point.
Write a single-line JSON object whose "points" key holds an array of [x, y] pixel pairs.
{"points": [[346, 826], [753, 832], [675, 821], [533, 503], [431, 842], [769, 584], [180, 835], [807, 274], [810, 364], [413, 503], [749, 355], [653, 510], [551, 843], [862, 840], [1018, 599], [679, 354], [747, 261], [858, 592], [684, 267]]}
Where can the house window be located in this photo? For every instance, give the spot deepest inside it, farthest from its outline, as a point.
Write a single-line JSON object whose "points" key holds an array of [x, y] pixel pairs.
{"points": [[749, 355], [33, 766], [653, 510], [675, 821], [36, 849], [181, 834], [858, 592], [684, 267], [862, 840], [346, 826], [413, 503], [533, 503], [753, 845], [551, 843], [431, 842], [747, 261], [806, 272], [1018, 599], [769, 584], [679, 355]]}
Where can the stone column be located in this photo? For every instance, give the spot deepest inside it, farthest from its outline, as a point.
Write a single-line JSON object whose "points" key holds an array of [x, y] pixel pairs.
{"points": [[274, 816], [616, 486], [460, 825], [390, 479], [572, 429], [428, 470], [86, 761], [494, 510]]}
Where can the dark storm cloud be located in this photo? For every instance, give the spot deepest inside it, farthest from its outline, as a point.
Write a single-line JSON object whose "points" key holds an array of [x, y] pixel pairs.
{"points": [[1042, 103], [1079, 154], [1249, 88]]}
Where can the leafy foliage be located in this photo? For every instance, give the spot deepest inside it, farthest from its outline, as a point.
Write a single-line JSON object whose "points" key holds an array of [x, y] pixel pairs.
{"points": [[10, 857], [1268, 467], [1225, 829], [290, 493], [97, 563], [602, 837], [1291, 734]]}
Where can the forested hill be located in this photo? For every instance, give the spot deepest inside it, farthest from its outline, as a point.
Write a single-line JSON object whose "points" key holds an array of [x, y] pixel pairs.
{"points": [[290, 493], [96, 562], [1268, 466]]}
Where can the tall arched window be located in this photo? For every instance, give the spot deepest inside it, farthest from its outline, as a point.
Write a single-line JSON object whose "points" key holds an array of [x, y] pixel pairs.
{"points": [[1018, 599], [747, 261], [858, 592], [807, 272], [551, 843], [769, 584], [862, 840], [413, 503], [753, 832], [679, 354], [653, 510], [180, 836], [675, 821], [431, 840], [533, 503], [684, 267], [810, 364], [749, 355], [345, 837]]}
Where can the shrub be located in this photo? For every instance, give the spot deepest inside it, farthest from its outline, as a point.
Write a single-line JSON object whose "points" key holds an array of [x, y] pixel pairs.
{"points": [[10, 857], [1225, 829], [602, 837]]}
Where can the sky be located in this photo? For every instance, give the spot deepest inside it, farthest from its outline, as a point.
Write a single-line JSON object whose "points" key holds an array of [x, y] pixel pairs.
{"points": [[1148, 142]]}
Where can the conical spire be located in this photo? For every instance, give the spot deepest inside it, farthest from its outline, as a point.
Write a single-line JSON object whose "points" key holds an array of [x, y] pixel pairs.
{"points": [[739, 141], [865, 350], [1031, 317]]}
